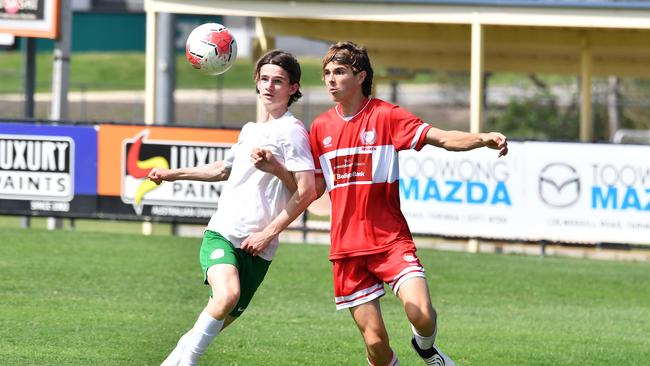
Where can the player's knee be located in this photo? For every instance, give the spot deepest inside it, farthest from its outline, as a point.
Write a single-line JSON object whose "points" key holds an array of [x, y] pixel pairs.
{"points": [[376, 340], [422, 317], [223, 301], [230, 299], [377, 345]]}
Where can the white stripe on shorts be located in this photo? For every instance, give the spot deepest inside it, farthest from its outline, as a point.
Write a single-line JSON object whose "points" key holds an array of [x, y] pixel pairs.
{"points": [[360, 297], [407, 273]]}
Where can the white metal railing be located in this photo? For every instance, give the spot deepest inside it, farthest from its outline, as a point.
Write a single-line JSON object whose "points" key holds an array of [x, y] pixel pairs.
{"points": [[625, 136]]}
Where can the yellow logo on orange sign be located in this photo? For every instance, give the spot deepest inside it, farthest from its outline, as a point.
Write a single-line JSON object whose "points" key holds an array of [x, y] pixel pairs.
{"points": [[140, 169]]}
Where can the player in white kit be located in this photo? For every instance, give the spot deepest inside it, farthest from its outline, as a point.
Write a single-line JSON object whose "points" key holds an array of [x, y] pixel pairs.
{"points": [[269, 182]]}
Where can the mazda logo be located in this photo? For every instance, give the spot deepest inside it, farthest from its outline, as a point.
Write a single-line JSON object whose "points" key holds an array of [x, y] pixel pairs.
{"points": [[559, 185]]}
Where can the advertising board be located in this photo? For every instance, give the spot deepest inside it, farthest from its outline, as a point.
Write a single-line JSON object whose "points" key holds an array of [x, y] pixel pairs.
{"points": [[127, 154], [569, 192], [48, 170]]}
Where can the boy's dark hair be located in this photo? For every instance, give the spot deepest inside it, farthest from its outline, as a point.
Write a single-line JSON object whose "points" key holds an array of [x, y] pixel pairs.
{"points": [[348, 53], [286, 61]]}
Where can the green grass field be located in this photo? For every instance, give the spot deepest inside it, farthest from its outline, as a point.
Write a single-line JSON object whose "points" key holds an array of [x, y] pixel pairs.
{"points": [[125, 71], [88, 298]]}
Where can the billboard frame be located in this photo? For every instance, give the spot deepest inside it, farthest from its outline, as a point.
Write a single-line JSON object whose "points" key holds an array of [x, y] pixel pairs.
{"points": [[48, 27]]}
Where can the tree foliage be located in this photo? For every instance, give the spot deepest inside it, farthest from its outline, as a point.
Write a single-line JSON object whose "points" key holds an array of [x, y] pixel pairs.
{"points": [[541, 118]]}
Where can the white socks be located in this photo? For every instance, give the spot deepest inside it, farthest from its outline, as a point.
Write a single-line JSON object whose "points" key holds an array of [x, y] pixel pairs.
{"points": [[204, 330], [175, 356], [425, 342]]}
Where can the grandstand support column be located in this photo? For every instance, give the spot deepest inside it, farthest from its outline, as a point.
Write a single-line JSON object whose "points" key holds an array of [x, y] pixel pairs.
{"points": [[262, 44], [586, 115], [150, 84], [29, 85], [61, 66], [476, 81], [165, 68], [476, 95], [61, 78], [150, 69], [613, 106]]}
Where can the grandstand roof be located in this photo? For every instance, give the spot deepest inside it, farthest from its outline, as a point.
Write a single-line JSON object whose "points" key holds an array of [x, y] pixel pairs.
{"points": [[579, 37], [610, 4]]}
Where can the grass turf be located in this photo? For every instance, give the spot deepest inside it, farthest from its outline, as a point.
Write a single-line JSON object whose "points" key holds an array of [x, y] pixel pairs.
{"points": [[81, 298], [91, 71], [125, 71]]}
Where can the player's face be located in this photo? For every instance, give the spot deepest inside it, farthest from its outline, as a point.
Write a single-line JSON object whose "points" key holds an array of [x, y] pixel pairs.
{"points": [[341, 81], [274, 86]]}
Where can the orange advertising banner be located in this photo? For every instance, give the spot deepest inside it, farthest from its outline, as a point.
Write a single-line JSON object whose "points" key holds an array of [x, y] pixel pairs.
{"points": [[126, 154]]}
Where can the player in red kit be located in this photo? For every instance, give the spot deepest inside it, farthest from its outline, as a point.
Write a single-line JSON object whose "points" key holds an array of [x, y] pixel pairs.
{"points": [[355, 146]]}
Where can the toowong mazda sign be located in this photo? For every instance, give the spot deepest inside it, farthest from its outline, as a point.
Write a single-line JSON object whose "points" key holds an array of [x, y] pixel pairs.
{"points": [[556, 191]]}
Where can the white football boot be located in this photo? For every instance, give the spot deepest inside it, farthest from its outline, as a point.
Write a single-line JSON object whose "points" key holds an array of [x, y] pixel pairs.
{"points": [[432, 356]]}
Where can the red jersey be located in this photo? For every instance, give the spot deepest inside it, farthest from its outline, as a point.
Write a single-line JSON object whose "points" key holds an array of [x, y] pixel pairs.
{"points": [[358, 159]]}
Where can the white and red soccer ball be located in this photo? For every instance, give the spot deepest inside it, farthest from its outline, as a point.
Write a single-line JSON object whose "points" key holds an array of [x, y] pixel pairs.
{"points": [[211, 48]]}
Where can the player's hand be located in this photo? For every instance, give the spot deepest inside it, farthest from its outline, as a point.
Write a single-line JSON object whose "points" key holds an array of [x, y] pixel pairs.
{"points": [[264, 160], [496, 141], [157, 175], [256, 243]]}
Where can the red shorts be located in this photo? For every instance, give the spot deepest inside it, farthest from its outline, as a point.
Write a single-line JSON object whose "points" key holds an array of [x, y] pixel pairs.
{"points": [[361, 279]]}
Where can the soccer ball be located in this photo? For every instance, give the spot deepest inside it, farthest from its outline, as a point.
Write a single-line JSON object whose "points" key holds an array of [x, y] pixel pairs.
{"points": [[211, 48]]}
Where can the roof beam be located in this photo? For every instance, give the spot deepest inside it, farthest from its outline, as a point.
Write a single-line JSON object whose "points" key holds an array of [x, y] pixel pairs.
{"points": [[389, 31], [434, 36], [412, 13]]}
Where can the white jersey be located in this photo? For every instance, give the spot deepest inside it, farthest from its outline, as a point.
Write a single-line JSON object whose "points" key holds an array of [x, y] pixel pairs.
{"points": [[251, 198]]}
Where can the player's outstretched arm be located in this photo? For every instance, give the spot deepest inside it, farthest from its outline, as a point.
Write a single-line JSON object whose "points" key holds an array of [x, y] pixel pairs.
{"points": [[212, 172], [264, 160], [463, 141], [301, 198]]}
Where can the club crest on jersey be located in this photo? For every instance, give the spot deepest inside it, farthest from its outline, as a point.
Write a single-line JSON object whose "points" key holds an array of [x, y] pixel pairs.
{"points": [[327, 141], [368, 137]]}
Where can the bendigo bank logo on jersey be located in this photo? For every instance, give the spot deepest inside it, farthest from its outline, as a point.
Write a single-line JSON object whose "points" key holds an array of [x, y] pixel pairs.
{"points": [[351, 169], [140, 156]]}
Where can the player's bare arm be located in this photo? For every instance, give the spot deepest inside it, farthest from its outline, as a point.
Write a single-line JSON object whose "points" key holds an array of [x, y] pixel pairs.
{"points": [[264, 160], [321, 186], [463, 141], [301, 198], [213, 172]]}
